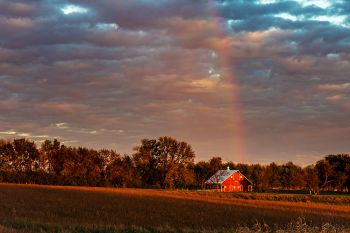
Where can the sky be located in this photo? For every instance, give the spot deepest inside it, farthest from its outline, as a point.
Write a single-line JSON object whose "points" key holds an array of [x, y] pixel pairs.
{"points": [[252, 81]]}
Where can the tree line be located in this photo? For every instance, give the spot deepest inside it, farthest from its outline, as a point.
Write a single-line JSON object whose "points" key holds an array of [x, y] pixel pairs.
{"points": [[156, 163]]}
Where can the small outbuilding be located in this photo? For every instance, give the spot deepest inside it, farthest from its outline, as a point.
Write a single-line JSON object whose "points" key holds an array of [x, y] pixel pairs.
{"points": [[229, 181]]}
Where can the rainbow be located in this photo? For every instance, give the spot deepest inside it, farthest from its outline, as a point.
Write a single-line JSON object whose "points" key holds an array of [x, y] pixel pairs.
{"points": [[221, 45]]}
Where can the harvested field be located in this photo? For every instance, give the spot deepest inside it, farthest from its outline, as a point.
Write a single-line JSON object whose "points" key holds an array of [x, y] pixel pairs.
{"points": [[21, 205]]}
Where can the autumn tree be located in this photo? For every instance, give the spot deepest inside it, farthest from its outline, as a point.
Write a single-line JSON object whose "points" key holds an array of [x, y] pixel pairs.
{"points": [[292, 176], [325, 174], [163, 162], [54, 155], [25, 156], [336, 171], [146, 159], [120, 171], [273, 172], [215, 164], [311, 179], [6, 151], [201, 173], [6, 154], [258, 177]]}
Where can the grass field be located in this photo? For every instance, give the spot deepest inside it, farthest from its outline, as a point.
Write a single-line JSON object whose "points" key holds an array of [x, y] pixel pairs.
{"points": [[34, 208], [336, 199]]}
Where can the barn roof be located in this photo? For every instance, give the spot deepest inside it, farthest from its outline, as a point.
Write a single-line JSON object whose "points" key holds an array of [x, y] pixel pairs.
{"points": [[220, 176]]}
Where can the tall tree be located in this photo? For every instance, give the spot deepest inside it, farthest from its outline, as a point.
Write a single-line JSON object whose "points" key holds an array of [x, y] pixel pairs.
{"points": [[146, 160], [273, 172], [6, 153], [26, 155], [325, 173], [311, 179], [54, 155], [202, 173], [258, 177], [292, 176], [340, 175], [163, 161], [215, 164]]}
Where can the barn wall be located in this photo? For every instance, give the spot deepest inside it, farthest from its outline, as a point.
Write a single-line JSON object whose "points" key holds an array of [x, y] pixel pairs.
{"points": [[235, 183]]}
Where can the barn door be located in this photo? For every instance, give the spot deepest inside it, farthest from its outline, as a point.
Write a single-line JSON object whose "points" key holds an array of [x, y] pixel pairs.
{"points": [[241, 188]]}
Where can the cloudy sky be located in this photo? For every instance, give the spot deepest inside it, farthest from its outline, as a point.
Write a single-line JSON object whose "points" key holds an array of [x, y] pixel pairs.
{"points": [[247, 80]]}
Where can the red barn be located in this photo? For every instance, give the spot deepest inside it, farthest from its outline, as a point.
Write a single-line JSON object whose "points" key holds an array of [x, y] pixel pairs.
{"points": [[230, 181]]}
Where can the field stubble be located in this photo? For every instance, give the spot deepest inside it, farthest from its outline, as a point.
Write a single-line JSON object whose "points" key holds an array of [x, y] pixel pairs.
{"points": [[68, 207]]}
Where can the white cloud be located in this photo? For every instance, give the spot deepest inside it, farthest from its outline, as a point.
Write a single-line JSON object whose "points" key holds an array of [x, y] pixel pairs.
{"points": [[319, 3], [62, 125], [107, 26], [73, 9], [334, 19], [9, 132], [24, 135], [335, 97], [334, 87], [287, 16], [267, 1]]}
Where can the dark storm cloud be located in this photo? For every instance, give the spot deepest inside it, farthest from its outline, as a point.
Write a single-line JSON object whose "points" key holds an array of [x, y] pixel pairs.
{"points": [[109, 73]]}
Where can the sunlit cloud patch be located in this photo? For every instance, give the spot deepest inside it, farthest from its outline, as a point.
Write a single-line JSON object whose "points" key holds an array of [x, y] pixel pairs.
{"points": [[73, 9]]}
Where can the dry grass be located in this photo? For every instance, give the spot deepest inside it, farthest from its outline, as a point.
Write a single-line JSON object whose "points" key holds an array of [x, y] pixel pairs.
{"points": [[338, 199], [8, 230], [23, 205]]}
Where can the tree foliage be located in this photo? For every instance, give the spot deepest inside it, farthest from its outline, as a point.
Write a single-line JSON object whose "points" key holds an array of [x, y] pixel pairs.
{"points": [[156, 163], [164, 162]]}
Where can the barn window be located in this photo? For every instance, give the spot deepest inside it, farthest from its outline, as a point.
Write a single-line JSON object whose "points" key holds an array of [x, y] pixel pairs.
{"points": [[250, 188]]}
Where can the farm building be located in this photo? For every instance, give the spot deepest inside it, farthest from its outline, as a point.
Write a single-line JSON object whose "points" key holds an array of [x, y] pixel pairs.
{"points": [[229, 181]]}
